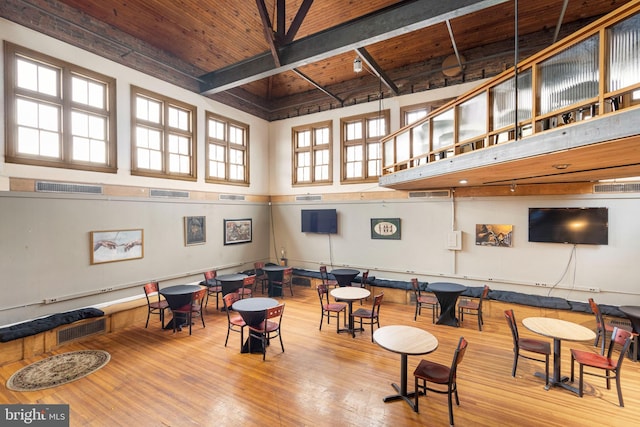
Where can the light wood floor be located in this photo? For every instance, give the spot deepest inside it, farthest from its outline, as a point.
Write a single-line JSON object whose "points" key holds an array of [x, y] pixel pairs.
{"points": [[157, 378]]}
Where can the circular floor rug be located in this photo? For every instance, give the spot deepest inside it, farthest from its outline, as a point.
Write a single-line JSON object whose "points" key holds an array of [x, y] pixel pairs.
{"points": [[57, 370]]}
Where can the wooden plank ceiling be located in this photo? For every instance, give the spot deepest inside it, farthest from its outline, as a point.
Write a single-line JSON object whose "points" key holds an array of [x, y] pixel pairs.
{"points": [[199, 43]]}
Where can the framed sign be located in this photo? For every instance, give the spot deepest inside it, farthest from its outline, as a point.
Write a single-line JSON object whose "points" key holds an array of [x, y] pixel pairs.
{"points": [[237, 231], [195, 232], [117, 245], [494, 235], [385, 228]]}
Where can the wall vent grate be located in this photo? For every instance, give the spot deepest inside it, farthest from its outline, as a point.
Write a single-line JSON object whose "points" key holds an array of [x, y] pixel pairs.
{"points": [[239, 197], [429, 194], [61, 187], [309, 198], [617, 187], [171, 194], [75, 332]]}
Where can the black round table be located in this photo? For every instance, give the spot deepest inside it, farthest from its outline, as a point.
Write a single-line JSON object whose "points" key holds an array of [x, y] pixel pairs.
{"points": [[344, 276], [633, 314], [274, 272], [230, 282], [178, 296], [447, 294], [252, 311]]}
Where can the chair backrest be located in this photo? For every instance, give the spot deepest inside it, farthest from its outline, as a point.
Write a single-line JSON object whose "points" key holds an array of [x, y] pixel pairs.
{"points": [[457, 358], [322, 291], [596, 311], [623, 339], [229, 299], [365, 277], [151, 289], [198, 297], [274, 311], [248, 281], [287, 275], [511, 320], [483, 296], [377, 302], [324, 275], [209, 277], [258, 268], [416, 287]]}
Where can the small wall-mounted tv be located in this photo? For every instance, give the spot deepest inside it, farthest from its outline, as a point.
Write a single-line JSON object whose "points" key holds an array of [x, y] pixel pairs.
{"points": [[320, 221], [580, 226]]}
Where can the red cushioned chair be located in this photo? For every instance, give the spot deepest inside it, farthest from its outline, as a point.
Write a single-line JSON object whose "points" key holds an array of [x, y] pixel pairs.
{"points": [[330, 309], [473, 307], [530, 345], [267, 329], [192, 309], [235, 322], [155, 305], [214, 288], [427, 301]]}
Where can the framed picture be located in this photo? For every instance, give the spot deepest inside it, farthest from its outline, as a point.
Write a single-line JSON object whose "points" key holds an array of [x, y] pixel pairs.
{"points": [[195, 232], [237, 231], [116, 245], [494, 235], [385, 228]]}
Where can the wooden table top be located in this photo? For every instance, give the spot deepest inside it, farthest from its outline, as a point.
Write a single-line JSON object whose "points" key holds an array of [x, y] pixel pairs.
{"points": [[559, 329], [405, 339], [350, 293]]}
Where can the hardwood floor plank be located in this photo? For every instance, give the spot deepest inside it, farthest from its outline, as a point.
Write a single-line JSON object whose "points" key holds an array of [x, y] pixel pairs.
{"points": [[157, 378]]}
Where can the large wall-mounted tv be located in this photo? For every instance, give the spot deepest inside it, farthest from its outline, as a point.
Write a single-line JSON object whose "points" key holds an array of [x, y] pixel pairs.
{"points": [[580, 226], [320, 221]]}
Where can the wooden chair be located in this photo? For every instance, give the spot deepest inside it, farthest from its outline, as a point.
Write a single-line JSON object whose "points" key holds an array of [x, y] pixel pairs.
{"points": [[602, 327], [155, 305], [248, 284], [473, 307], [528, 344], [330, 309], [372, 316], [261, 275], [192, 309], [440, 374], [267, 329], [362, 283], [611, 367], [427, 301], [325, 277], [235, 322], [287, 280], [214, 288]]}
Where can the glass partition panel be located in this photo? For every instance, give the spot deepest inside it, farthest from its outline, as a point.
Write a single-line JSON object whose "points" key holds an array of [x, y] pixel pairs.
{"points": [[388, 152], [570, 76], [443, 130], [503, 101], [472, 117], [420, 140], [402, 147], [624, 53]]}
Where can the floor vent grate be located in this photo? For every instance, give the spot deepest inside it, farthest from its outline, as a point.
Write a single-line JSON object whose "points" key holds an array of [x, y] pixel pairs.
{"points": [[61, 187], [239, 197], [75, 332], [429, 194], [309, 198]]}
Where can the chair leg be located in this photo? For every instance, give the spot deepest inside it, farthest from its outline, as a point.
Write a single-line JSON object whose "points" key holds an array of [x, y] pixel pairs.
{"points": [[581, 381], [619, 389], [515, 364], [546, 370], [415, 316], [415, 396], [148, 315], [450, 406], [480, 322]]}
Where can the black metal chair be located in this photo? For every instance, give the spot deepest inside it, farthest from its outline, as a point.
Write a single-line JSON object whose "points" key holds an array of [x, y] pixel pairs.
{"points": [[473, 307], [424, 301], [531, 345]]}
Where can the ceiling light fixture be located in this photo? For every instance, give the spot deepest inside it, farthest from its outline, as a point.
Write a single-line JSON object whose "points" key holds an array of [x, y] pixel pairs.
{"points": [[513, 186], [463, 181], [357, 65], [561, 166]]}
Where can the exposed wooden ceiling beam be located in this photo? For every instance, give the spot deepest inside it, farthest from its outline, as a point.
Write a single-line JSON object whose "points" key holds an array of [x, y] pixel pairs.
{"points": [[396, 20], [375, 69]]}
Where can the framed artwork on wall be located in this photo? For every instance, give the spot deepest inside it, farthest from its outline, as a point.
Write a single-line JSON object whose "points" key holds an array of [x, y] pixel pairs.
{"points": [[195, 232], [494, 235], [385, 228], [237, 231], [116, 245]]}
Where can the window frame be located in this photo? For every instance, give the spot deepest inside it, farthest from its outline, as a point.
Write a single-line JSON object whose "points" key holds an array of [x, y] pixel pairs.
{"points": [[167, 131], [311, 149], [64, 102], [364, 142], [228, 146]]}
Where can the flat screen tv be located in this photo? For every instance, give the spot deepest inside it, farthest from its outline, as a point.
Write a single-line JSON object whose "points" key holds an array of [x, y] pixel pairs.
{"points": [[580, 226], [320, 221]]}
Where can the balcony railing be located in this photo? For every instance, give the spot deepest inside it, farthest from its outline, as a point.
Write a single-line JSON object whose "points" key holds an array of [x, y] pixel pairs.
{"points": [[594, 72]]}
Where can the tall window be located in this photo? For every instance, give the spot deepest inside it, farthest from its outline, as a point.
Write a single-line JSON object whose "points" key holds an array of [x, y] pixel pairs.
{"points": [[312, 153], [163, 136], [361, 148], [58, 114], [227, 150]]}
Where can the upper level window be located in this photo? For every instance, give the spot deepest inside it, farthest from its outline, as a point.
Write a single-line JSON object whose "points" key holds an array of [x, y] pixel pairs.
{"points": [[312, 153], [162, 136], [361, 149], [227, 149], [58, 114]]}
